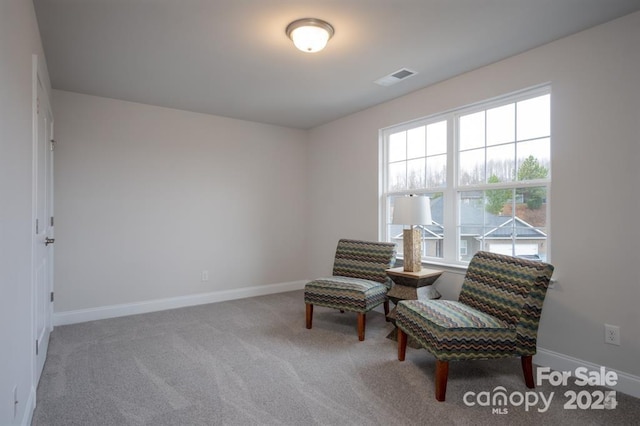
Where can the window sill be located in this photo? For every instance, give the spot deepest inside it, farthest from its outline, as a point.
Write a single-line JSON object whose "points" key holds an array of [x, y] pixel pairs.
{"points": [[447, 267]]}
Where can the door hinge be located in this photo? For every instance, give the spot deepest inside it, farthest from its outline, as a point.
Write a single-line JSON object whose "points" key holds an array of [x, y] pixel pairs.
{"points": [[51, 221], [53, 144], [37, 226], [37, 347], [52, 296]]}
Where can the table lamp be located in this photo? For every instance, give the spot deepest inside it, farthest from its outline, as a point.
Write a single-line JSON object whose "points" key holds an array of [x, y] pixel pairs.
{"points": [[412, 210]]}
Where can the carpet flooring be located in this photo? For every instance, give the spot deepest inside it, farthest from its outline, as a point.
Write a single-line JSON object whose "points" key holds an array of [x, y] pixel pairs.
{"points": [[253, 362]]}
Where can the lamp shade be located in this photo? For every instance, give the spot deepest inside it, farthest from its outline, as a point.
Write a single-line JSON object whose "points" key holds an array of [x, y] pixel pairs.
{"points": [[412, 210]]}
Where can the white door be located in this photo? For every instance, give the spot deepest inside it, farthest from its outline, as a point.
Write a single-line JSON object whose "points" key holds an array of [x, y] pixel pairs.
{"points": [[42, 296]]}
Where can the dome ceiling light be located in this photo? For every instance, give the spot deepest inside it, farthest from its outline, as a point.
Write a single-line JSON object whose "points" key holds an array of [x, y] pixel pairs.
{"points": [[310, 34]]}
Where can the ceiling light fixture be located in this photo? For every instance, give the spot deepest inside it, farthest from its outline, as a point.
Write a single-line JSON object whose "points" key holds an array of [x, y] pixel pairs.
{"points": [[310, 34]]}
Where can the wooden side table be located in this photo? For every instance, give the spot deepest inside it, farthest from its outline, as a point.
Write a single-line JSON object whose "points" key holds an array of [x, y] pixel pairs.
{"points": [[405, 287], [407, 283]]}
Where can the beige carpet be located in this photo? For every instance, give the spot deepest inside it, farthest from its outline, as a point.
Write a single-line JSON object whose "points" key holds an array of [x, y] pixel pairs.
{"points": [[252, 362]]}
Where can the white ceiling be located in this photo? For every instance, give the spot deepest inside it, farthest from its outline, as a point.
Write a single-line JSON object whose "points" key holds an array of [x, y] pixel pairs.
{"points": [[232, 57]]}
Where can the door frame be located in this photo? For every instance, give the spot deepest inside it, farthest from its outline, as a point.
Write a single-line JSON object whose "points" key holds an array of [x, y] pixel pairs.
{"points": [[40, 77]]}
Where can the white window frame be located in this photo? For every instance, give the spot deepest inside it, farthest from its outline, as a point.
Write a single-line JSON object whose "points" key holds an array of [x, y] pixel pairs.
{"points": [[451, 191]]}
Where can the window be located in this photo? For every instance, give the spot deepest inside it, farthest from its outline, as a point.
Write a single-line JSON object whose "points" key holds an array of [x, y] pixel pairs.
{"points": [[463, 248], [486, 169]]}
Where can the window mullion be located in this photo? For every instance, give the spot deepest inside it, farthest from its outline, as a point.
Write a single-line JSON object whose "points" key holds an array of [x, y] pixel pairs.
{"points": [[451, 219], [383, 185]]}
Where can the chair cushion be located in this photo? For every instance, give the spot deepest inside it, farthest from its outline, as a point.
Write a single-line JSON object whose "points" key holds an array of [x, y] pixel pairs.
{"points": [[501, 285], [346, 293], [367, 260], [451, 330]]}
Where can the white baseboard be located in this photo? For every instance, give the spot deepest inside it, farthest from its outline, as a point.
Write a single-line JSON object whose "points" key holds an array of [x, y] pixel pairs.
{"points": [[627, 383], [113, 311], [29, 408]]}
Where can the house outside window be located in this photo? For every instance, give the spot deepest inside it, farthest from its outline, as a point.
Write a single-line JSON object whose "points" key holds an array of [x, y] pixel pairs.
{"points": [[486, 169], [463, 248]]}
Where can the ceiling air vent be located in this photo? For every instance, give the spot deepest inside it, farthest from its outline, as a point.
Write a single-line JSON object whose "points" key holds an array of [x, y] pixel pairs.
{"points": [[395, 77]]}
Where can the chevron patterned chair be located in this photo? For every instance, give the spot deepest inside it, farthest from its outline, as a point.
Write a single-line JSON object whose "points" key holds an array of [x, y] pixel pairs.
{"points": [[496, 316], [359, 282]]}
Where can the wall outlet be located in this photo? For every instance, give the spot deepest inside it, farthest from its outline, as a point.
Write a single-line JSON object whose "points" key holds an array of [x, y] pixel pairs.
{"points": [[612, 334], [204, 276]]}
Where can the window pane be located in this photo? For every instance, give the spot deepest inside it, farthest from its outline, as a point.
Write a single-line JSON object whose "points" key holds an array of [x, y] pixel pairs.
{"points": [[398, 176], [533, 159], [437, 138], [501, 162], [520, 232], [520, 227], [467, 247], [472, 167], [433, 235], [472, 211], [472, 218], [416, 173], [463, 248], [471, 131], [436, 171], [416, 142], [530, 236], [534, 118], [497, 202], [398, 146], [500, 246], [531, 205], [394, 231], [501, 124]]}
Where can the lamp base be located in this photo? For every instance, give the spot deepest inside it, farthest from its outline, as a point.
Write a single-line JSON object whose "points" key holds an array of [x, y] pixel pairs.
{"points": [[412, 250]]}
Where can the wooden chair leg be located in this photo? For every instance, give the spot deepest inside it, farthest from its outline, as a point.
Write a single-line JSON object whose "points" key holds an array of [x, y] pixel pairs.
{"points": [[386, 310], [309, 315], [442, 373], [527, 369], [402, 344], [362, 319]]}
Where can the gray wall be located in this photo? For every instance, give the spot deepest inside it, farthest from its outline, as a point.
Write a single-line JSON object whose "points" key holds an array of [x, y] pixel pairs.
{"points": [[148, 197], [595, 79]]}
